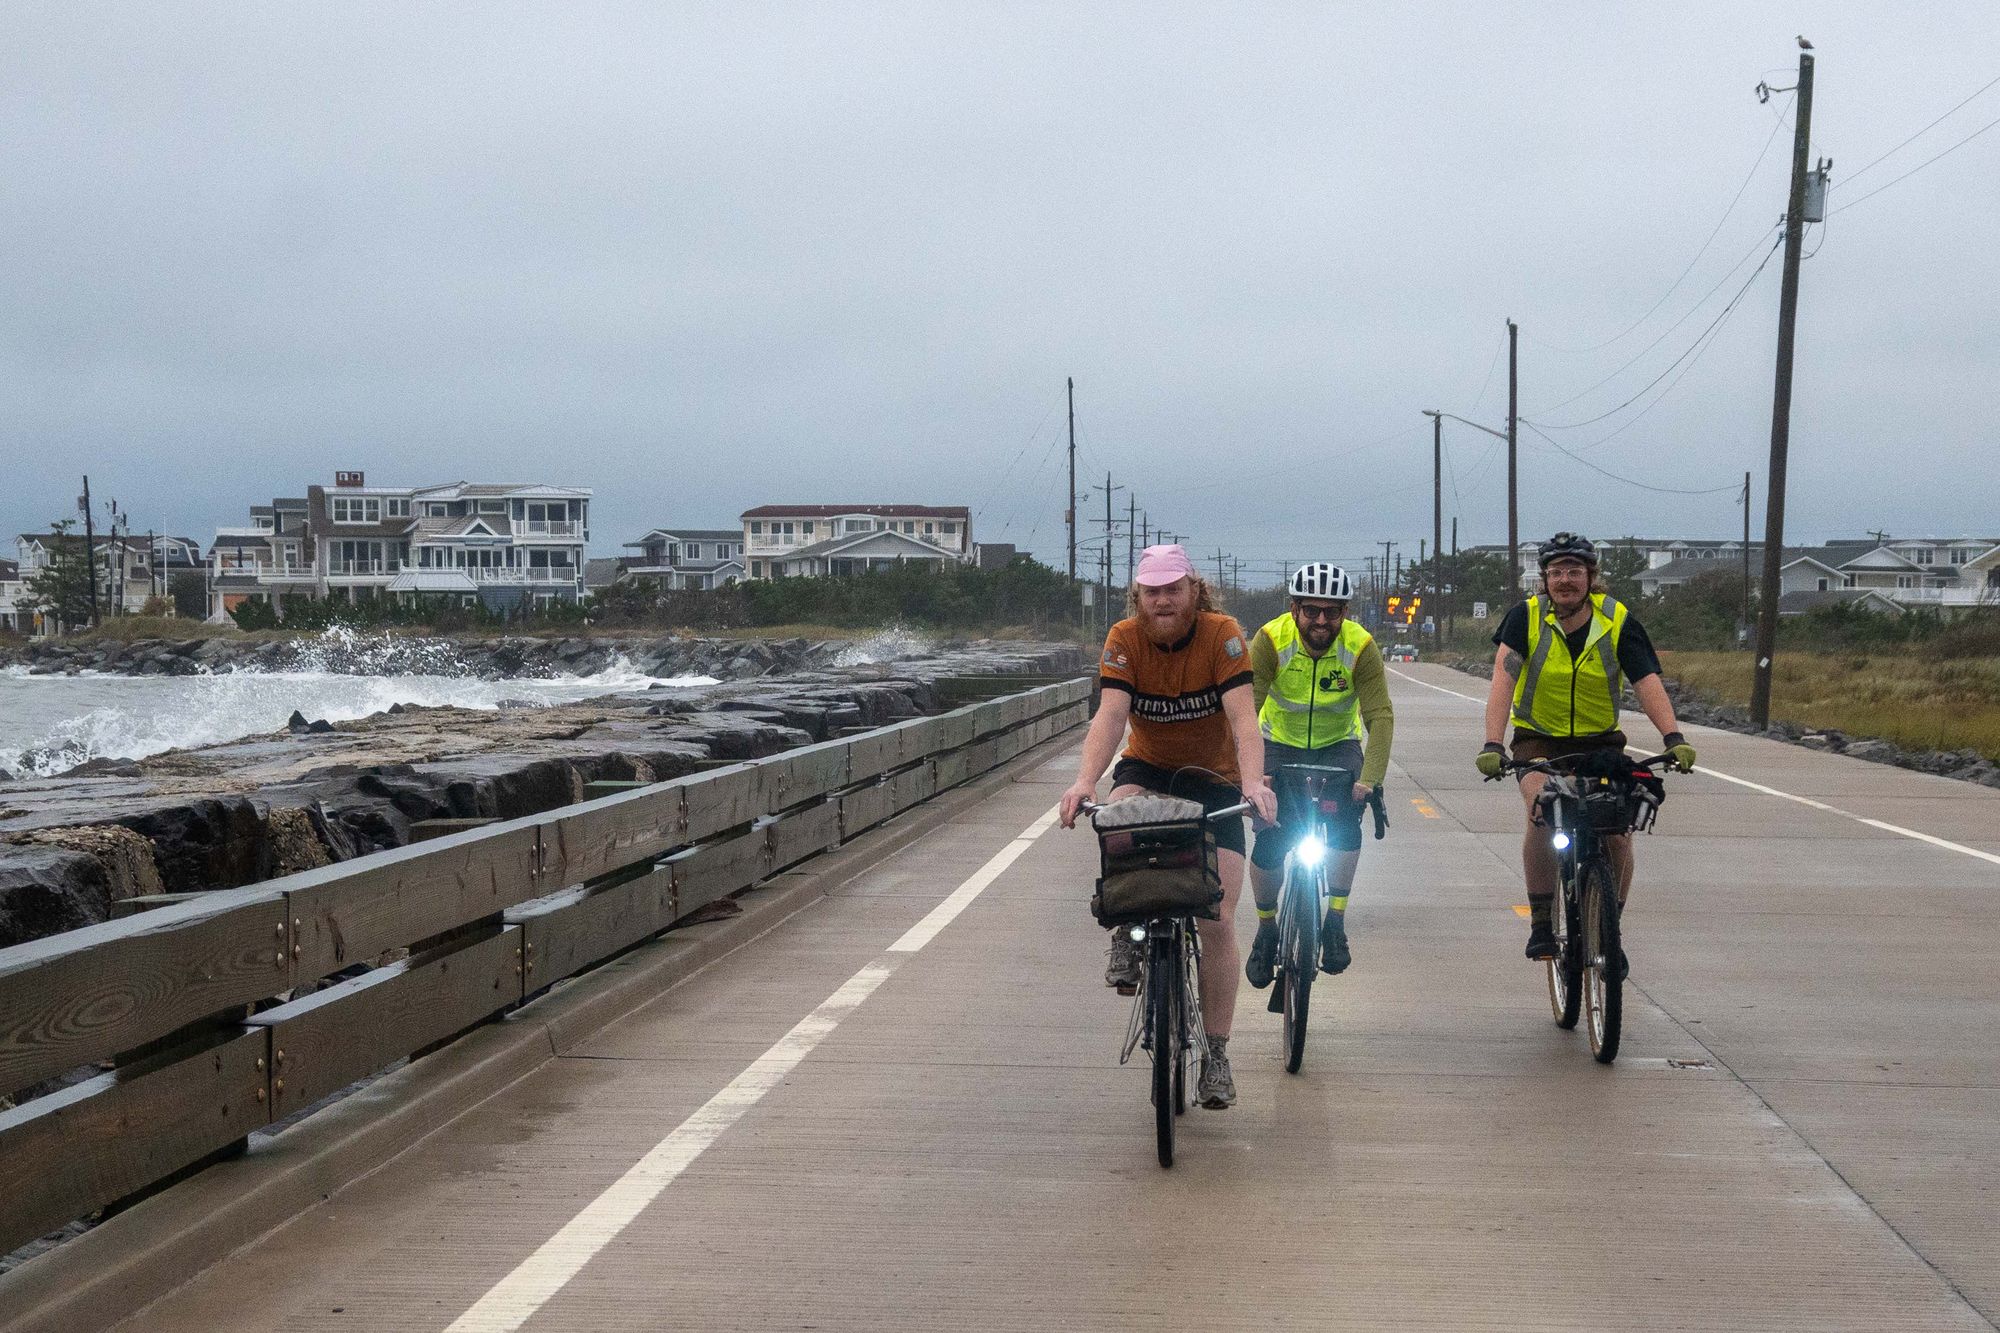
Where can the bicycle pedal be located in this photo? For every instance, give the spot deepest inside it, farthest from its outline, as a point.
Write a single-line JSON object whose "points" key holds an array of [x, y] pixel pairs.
{"points": [[1128, 988]]}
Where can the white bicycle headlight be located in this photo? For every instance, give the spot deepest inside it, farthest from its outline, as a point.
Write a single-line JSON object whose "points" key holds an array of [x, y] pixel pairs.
{"points": [[1138, 932], [1560, 840], [1311, 851]]}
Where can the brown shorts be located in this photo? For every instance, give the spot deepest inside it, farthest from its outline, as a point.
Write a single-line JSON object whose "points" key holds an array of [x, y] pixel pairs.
{"points": [[1534, 745]]}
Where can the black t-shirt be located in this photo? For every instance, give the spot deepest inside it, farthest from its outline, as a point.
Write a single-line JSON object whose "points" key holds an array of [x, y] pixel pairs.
{"points": [[1636, 658]]}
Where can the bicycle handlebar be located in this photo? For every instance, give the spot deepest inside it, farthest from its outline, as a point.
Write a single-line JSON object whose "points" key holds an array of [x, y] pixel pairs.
{"points": [[1556, 768]]}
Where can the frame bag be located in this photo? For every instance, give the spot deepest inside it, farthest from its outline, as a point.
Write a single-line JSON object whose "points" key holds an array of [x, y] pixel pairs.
{"points": [[1157, 857]]}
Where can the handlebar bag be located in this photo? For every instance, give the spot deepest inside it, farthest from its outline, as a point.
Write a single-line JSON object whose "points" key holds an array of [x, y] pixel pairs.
{"points": [[1157, 857]]}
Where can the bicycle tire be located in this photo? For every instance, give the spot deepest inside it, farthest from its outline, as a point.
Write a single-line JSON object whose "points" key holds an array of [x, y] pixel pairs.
{"points": [[1604, 988], [1164, 1018], [1566, 968], [1301, 960]]}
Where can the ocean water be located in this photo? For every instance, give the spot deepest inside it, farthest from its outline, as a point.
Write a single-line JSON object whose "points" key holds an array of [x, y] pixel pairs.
{"points": [[49, 724]]}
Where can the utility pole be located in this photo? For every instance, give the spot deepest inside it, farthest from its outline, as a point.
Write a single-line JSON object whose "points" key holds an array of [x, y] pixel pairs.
{"points": [[1451, 617], [1145, 529], [1070, 513], [90, 551], [1513, 471], [1110, 534], [1387, 548], [1437, 507], [1131, 537], [1781, 406]]}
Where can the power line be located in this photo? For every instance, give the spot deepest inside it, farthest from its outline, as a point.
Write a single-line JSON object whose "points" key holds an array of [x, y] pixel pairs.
{"points": [[1693, 348], [1644, 486], [1918, 135], [1919, 167], [1734, 199], [1640, 355], [998, 481]]}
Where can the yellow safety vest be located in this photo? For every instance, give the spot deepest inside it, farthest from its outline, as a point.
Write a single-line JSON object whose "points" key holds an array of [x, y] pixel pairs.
{"points": [[1560, 695], [1312, 702]]}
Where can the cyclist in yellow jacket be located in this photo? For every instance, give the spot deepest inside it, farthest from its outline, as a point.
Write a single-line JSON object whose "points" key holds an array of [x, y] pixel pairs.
{"points": [[1562, 656], [1320, 690]]}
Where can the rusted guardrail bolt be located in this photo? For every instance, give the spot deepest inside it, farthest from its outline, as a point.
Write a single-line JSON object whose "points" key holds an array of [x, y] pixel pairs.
{"points": [[260, 1062], [279, 1085], [281, 1055], [260, 1094]]}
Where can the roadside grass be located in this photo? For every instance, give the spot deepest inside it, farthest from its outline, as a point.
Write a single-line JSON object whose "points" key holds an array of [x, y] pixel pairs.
{"points": [[1912, 699]]}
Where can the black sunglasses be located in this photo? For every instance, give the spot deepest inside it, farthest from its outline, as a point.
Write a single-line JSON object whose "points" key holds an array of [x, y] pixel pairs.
{"points": [[1319, 612]]}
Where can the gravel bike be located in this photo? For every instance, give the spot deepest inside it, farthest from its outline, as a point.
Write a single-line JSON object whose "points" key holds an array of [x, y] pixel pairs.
{"points": [[1166, 1010], [1588, 798], [1315, 795]]}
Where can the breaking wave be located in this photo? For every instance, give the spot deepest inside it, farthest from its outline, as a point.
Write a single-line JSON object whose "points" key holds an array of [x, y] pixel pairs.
{"points": [[890, 645], [50, 724]]}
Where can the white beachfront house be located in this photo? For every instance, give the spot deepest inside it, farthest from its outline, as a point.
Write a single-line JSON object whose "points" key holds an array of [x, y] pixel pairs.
{"points": [[789, 541], [506, 547]]}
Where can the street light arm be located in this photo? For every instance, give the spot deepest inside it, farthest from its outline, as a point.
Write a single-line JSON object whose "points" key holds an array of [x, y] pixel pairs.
{"points": [[1496, 434]]}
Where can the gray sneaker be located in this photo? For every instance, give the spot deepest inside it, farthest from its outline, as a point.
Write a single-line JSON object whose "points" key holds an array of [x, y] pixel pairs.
{"points": [[1217, 1087], [1126, 955]]}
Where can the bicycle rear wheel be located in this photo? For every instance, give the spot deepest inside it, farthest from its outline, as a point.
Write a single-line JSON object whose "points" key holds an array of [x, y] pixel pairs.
{"points": [[1163, 1017], [1566, 968], [1604, 984], [1299, 953]]}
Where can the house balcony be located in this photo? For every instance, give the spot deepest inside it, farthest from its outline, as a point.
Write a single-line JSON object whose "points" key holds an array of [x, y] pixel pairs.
{"points": [[538, 528], [1942, 596], [561, 576], [356, 571]]}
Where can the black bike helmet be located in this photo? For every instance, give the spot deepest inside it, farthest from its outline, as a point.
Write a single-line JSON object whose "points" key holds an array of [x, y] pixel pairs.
{"points": [[1566, 546]]}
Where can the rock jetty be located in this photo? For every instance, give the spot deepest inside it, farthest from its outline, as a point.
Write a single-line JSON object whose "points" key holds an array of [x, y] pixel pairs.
{"points": [[221, 816]]}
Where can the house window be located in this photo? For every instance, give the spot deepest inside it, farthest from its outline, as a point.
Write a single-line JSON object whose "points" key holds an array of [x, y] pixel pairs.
{"points": [[756, 529], [396, 508], [1847, 580], [857, 525], [694, 550], [1822, 585], [1906, 580], [785, 531], [1962, 555], [756, 569], [808, 527], [1923, 555], [493, 506], [356, 509], [930, 529], [948, 529]]}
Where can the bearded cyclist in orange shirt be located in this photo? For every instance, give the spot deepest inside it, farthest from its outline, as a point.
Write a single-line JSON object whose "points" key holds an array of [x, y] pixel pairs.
{"points": [[1178, 670]]}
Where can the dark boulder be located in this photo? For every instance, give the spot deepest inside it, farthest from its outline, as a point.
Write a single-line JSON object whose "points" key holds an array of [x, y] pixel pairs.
{"points": [[44, 890]]}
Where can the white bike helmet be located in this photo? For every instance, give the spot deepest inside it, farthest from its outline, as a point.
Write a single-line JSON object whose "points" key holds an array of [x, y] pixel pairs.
{"points": [[1322, 581]]}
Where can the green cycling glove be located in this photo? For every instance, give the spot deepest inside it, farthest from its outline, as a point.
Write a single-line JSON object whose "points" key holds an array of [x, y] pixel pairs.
{"points": [[1683, 753], [1489, 760]]}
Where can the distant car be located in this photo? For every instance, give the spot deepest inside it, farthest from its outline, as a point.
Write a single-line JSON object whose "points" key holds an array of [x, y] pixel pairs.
{"points": [[1403, 652]]}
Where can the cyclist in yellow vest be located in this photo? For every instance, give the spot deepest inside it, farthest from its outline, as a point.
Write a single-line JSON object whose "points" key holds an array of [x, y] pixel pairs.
{"points": [[1563, 657], [1320, 690]]}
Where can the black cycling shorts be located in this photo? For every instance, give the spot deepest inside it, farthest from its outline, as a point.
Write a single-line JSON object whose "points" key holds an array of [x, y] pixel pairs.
{"points": [[1191, 786], [1273, 844]]}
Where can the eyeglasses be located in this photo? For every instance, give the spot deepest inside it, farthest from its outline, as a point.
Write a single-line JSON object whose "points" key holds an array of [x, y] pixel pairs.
{"points": [[1319, 612]]}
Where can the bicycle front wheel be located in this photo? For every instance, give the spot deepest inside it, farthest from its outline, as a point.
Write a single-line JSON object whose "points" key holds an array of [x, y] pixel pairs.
{"points": [[1300, 956], [1604, 982], [1566, 968], [1163, 1016]]}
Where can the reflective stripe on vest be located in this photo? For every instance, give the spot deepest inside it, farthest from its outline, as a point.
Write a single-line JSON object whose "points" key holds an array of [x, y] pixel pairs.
{"points": [[1299, 711], [1562, 696]]}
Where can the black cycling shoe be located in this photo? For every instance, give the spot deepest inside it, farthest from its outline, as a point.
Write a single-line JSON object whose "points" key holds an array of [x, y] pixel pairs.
{"points": [[1259, 966], [1333, 954], [1541, 941]]}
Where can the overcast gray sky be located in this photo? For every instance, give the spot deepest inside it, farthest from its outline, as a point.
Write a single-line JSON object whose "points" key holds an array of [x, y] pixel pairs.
{"points": [[705, 257]]}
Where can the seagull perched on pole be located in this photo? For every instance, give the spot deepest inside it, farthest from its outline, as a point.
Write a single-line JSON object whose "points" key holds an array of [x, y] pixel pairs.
{"points": [[1805, 45]]}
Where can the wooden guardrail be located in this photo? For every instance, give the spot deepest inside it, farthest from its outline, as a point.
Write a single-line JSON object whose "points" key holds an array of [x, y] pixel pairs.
{"points": [[192, 1008]]}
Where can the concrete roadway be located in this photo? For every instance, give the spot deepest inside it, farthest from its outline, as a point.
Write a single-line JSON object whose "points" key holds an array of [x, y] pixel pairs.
{"points": [[1803, 1131]]}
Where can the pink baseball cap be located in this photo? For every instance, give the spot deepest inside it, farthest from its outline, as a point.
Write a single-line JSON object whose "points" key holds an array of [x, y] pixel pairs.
{"points": [[1161, 565]]}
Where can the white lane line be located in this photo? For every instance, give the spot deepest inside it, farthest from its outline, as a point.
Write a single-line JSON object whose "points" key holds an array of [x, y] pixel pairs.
{"points": [[515, 1299], [917, 936], [1945, 843]]}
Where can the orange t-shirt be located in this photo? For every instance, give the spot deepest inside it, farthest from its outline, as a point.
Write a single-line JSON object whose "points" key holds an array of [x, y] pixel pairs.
{"points": [[1177, 717]]}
